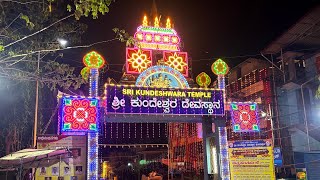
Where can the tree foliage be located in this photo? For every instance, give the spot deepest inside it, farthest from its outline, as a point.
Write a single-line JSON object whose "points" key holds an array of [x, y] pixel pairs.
{"points": [[28, 35]]}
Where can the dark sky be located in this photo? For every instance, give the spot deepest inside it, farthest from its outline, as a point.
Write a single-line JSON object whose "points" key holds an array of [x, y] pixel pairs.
{"points": [[209, 29]]}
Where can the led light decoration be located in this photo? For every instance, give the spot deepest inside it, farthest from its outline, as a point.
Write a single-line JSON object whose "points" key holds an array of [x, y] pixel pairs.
{"points": [[138, 60], [157, 38], [93, 60], [79, 114], [156, 22], [168, 24], [161, 76], [177, 61], [145, 21], [85, 73], [224, 158], [244, 117], [92, 156], [219, 67], [203, 80]]}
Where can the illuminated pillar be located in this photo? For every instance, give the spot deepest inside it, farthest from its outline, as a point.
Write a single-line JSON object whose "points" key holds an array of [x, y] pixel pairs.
{"points": [[220, 68], [93, 61]]}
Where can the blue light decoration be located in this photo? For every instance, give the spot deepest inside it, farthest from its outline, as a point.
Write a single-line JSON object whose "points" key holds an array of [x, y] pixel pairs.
{"points": [[93, 61], [93, 80], [277, 157], [92, 154], [92, 159], [78, 114], [161, 76], [124, 99], [224, 158]]}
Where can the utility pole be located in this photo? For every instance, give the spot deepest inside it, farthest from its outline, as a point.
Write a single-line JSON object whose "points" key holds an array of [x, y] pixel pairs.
{"points": [[35, 129]]}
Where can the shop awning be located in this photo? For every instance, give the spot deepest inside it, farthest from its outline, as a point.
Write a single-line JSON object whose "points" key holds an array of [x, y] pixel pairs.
{"points": [[33, 158]]}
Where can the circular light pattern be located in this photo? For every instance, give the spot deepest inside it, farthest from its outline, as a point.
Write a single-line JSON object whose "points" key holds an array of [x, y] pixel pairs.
{"points": [[203, 79], [162, 76], [244, 117], [219, 67], [93, 60]]}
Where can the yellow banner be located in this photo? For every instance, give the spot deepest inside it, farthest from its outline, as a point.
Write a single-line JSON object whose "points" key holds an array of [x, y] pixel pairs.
{"points": [[251, 163]]}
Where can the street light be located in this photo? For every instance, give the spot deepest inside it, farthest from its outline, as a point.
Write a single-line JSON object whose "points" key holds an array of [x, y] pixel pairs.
{"points": [[63, 43]]}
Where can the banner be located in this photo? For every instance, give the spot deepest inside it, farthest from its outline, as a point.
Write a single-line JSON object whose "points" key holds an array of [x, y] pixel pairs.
{"points": [[122, 99], [277, 157], [251, 160], [76, 167]]}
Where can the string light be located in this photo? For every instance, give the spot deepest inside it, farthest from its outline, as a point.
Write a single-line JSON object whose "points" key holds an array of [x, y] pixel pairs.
{"points": [[111, 130], [168, 24], [224, 160], [135, 130], [156, 22], [145, 21], [153, 130]]}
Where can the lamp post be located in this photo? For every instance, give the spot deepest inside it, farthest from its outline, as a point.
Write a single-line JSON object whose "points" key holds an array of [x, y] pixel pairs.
{"points": [[62, 43]]}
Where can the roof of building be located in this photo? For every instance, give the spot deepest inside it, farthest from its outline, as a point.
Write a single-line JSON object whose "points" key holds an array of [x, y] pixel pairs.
{"points": [[304, 34]]}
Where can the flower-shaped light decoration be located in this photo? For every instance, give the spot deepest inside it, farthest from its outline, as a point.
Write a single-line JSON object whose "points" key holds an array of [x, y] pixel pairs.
{"points": [[85, 73], [79, 114], [203, 80], [220, 68], [93, 60], [245, 117], [177, 61], [138, 60]]}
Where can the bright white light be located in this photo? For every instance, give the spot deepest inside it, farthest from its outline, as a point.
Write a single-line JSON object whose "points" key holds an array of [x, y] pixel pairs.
{"points": [[215, 160], [129, 164], [263, 114], [62, 42]]}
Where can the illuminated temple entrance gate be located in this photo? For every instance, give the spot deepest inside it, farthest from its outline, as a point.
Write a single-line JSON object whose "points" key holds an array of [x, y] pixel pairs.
{"points": [[156, 87], [162, 94]]}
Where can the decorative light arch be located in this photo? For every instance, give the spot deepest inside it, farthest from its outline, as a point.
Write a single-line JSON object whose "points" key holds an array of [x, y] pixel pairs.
{"points": [[162, 76]]}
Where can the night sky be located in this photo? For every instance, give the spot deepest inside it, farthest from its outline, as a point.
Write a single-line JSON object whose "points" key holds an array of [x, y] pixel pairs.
{"points": [[232, 30]]}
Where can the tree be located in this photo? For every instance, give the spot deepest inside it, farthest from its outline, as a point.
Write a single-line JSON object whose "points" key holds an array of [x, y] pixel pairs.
{"points": [[28, 33]]}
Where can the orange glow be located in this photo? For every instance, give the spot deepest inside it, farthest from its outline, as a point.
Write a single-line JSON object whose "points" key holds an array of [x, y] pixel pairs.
{"points": [[168, 24], [145, 21], [156, 22]]}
